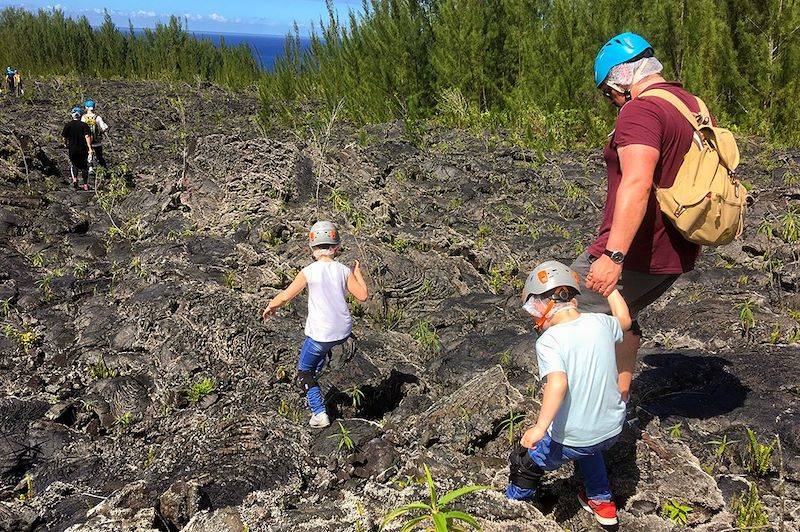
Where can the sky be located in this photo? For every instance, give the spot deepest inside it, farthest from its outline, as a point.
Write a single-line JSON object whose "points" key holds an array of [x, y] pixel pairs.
{"points": [[269, 17]]}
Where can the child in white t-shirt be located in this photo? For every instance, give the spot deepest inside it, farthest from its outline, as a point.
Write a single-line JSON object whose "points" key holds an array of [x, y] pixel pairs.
{"points": [[328, 323]]}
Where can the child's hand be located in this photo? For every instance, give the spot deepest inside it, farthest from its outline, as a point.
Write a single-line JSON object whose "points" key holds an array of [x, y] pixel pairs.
{"points": [[356, 266], [269, 311], [532, 436]]}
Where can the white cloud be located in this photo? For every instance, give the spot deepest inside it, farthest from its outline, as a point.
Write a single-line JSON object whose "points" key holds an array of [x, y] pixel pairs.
{"points": [[217, 18], [141, 13]]}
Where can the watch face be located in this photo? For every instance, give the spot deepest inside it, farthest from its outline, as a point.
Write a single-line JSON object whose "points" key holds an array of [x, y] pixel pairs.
{"points": [[618, 257]]}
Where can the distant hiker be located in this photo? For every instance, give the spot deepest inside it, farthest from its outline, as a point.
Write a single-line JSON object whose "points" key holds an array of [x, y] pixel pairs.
{"points": [[78, 140], [10, 73], [18, 84], [98, 127], [582, 411], [329, 322], [636, 249]]}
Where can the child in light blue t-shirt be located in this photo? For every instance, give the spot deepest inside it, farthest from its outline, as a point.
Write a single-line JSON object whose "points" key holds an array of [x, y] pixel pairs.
{"points": [[582, 411]]}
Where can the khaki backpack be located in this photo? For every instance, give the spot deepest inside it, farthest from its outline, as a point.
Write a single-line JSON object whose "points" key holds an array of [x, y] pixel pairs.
{"points": [[706, 203]]}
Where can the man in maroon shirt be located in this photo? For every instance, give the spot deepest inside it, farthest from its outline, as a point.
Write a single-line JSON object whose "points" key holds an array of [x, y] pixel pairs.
{"points": [[637, 250]]}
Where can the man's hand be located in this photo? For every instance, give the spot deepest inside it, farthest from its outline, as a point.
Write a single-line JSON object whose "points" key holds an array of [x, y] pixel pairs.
{"points": [[532, 436], [356, 268], [603, 275]]}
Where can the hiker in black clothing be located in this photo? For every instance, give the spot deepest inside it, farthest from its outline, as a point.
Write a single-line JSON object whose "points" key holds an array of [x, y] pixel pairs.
{"points": [[78, 140], [10, 72]]}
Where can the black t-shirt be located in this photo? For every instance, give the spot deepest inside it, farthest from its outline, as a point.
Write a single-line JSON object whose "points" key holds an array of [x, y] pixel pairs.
{"points": [[75, 132]]}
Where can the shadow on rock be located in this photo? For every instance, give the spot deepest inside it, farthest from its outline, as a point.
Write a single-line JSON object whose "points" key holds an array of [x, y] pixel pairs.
{"points": [[699, 387]]}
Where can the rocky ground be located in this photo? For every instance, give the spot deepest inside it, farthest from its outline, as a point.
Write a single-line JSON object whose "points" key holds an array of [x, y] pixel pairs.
{"points": [[141, 390]]}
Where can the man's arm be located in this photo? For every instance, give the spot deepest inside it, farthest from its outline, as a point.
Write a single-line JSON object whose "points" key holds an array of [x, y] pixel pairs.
{"points": [[638, 164]]}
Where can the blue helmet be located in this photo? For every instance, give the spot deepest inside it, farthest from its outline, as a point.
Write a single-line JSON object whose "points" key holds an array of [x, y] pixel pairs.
{"points": [[89, 103], [620, 49]]}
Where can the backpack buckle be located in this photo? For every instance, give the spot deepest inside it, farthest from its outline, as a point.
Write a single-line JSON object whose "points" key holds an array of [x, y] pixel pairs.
{"points": [[679, 210]]}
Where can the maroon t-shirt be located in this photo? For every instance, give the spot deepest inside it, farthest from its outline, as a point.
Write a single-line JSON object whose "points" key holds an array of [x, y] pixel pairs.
{"points": [[658, 247]]}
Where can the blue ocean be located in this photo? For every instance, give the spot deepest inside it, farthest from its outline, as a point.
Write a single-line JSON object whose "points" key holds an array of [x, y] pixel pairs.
{"points": [[265, 48]]}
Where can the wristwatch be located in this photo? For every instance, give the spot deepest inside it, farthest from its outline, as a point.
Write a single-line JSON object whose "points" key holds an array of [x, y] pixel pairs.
{"points": [[617, 257]]}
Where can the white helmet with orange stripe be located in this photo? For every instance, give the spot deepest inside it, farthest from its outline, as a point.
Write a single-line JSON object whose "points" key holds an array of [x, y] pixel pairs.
{"points": [[323, 232]]}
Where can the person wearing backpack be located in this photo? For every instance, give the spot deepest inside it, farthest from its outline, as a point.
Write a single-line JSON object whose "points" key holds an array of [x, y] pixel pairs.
{"points": [[637, 249], [98, 127], [78, 141]]}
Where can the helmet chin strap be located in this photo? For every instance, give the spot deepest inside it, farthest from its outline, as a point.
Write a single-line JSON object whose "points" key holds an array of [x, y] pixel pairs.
{"points": [[539, 324]]}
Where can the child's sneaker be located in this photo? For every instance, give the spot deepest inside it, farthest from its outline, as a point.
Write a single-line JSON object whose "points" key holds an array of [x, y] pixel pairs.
{"points": [[604, 511], [319, 421]]}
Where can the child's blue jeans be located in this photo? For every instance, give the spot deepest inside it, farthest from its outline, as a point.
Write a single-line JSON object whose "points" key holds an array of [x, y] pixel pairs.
{"points": [[550, 455], [312, 358]]}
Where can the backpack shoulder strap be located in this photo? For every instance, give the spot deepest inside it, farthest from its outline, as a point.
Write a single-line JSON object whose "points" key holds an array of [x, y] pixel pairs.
{"points": [[679, 105]]}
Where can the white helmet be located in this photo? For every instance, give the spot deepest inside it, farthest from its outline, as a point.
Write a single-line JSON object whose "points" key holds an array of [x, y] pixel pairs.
{"points": [[546, 279], [323, 232]]}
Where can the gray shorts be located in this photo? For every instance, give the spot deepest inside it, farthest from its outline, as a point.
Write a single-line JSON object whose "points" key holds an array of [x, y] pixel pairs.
{"points": [[639, 289]]}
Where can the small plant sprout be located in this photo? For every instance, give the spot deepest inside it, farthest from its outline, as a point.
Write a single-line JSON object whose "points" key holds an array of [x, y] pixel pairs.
{"points": [[425, 335], [766, 229], [675, 430], [345, 441], [283, 409], [722, 445], [280, 372], [125, 419], [747, 319], [151, 455], [790, 225], [38, 260], [355, 394], [5, 307], [81, 270], [676, 512], [436, 513], [100, 370], [759, 456], [510, 424], [200, 389], [229, 280], [775, 335], [748, 510], [504, 358]]}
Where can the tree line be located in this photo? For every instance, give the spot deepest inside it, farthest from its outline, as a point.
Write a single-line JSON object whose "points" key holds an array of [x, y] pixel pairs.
{"points": [[48, 43], [527, 65], [521, 65]]}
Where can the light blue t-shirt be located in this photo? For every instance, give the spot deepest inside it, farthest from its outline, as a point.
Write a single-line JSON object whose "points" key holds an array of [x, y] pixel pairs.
{"points": [[592, 410]]}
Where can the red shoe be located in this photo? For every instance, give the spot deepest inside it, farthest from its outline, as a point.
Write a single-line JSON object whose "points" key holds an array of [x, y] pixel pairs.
{"points": [[604, 511]]}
